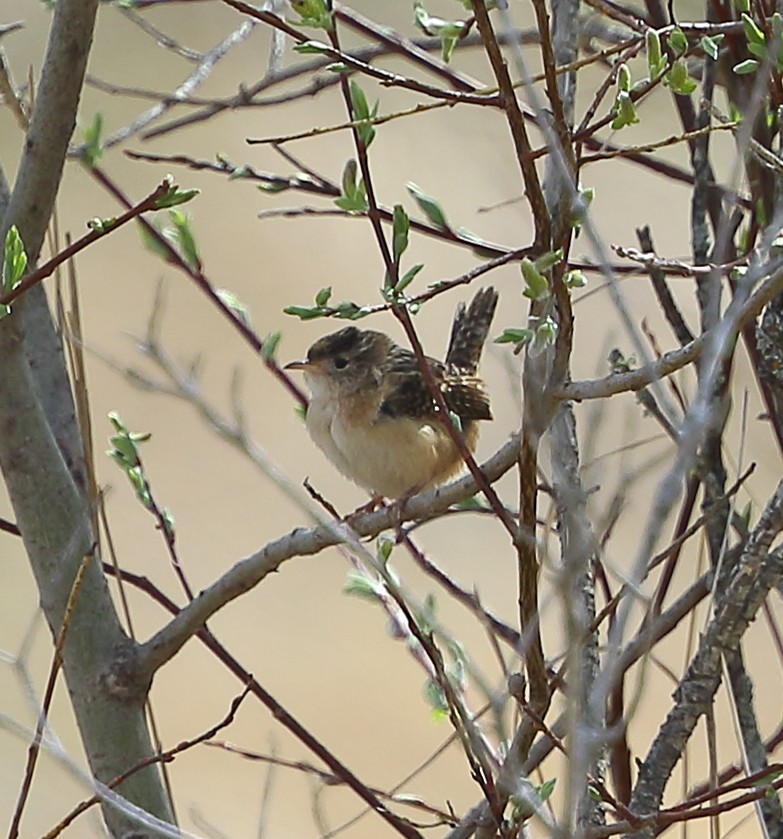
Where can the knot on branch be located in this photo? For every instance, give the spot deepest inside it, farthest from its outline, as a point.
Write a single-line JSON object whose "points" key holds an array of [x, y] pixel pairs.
{"points": [[125, 679]]}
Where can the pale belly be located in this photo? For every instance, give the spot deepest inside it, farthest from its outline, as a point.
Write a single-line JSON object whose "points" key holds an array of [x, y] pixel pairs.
{"points": [[390, 456]]}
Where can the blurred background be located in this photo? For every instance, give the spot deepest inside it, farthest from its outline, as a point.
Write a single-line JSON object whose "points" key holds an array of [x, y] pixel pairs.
{"points": [[327, 657]]}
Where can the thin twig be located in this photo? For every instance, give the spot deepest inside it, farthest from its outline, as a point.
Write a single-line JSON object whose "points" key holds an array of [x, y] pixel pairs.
{"points": [[163, 757], [146, 205]]}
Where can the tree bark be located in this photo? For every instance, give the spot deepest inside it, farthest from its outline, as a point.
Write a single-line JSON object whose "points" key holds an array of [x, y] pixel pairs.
{"points": [[41, 454]]}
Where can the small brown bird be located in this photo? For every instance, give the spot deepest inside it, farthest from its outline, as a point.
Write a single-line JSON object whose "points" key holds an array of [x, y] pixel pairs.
{"points": [[372, 413]]}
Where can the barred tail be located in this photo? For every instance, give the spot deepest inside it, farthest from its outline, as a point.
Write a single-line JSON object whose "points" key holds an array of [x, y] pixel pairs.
{"points": [[470, 329]]}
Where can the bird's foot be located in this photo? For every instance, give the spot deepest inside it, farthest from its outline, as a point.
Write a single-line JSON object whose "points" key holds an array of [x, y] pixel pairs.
{"points": [[374, 503]]}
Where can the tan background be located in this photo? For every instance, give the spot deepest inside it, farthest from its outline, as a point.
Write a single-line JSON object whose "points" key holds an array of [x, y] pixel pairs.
{"points": [[326, 657]]}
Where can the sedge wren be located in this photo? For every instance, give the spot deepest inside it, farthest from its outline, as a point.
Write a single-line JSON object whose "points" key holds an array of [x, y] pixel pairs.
{"points": [[372, 412]]}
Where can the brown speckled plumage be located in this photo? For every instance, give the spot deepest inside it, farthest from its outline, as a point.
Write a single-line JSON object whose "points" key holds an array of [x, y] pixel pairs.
{"points": [[370, 398]]}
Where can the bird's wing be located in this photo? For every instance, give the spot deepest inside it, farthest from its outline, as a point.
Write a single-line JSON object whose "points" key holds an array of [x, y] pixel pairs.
{"points": [[407, 393]]}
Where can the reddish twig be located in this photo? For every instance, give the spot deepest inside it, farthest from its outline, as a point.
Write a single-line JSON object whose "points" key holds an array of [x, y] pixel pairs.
{"points": [[109, 226]]}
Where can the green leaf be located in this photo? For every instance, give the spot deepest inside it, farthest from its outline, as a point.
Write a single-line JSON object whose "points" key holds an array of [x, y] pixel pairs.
{"points": [[273, 187], [401, 225], [232, 302], [356, 203], [436, 699], [530, 798], [175, 196], [548, 260], [437, 27], [429, 206], [580, 206], [710, 45], [515, 336], [447, 46], [623, 77], [337, 67], [322, 298], [361, 109], [313, 13], [124, 452], [767, 779], [594, 793], [677, 41], [525, 802], [546, 789], [183, 235], [270, 344], [654, 71], [545, 336], [151, 242], [350, 311], [305, 312], [537, 285], [358, 585], [168, 523], [14, 265], [140, 485], [354, 197], [407, 278], [101, 225], [93, 141], [238, 173], [760, 213], [625, 111], [421, 18], [349, 177], [678, 79], [312, 48], [654, 54], [753, 35], [742, 5], [574, 279], [749, 65], [362, 113], [474, 502], [14, 259], [384, 549], [448, 31]]}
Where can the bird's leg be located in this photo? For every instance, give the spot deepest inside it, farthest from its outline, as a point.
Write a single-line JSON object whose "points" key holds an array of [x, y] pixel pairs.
{"points": [[374, 502], [399, 508]]}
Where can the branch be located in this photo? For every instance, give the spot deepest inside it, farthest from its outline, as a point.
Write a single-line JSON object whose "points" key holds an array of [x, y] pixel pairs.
{"points": [[304, 542], [383, 76], [40, 448], [516, 122], [674, 360], [98, 232], [757, 571]]}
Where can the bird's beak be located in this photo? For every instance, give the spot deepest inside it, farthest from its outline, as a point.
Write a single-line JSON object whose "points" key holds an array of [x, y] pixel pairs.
{"points": [[303, 364]]}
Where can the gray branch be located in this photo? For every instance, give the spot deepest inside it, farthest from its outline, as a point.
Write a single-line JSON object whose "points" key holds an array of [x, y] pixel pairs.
{"points": [[40, 451], [756, 573], [676, 359], [247, 573]]}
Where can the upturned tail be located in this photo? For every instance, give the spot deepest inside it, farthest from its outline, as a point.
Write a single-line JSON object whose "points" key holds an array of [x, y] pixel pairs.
{"points": [[470, 329]]}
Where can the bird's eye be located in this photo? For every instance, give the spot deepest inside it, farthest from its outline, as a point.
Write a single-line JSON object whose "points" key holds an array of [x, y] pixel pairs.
{"points": [[340, 362]]}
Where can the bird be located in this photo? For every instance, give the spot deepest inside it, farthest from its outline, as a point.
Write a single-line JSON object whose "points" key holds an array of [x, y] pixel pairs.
{"points": [[373, 415]]}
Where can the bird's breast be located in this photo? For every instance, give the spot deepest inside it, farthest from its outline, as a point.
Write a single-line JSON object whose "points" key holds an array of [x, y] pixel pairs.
{"points": [[386, 455]]}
